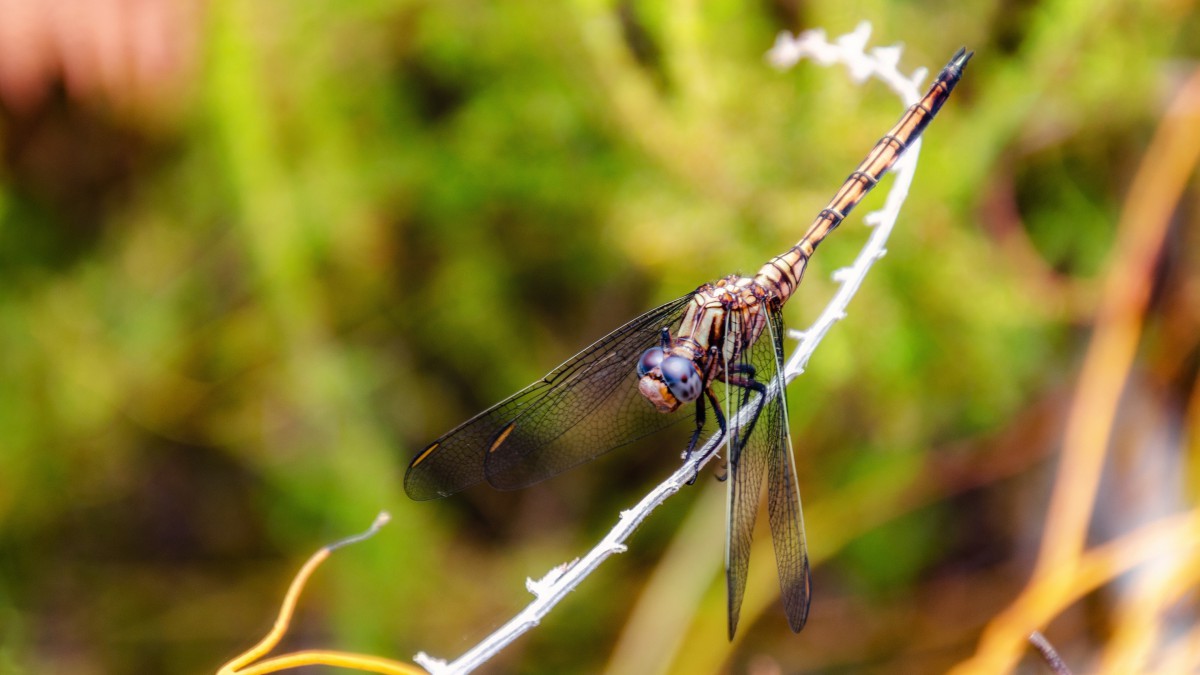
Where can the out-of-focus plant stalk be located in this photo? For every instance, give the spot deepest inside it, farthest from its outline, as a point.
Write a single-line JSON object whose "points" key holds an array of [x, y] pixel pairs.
{"points": [[1154, 193]]}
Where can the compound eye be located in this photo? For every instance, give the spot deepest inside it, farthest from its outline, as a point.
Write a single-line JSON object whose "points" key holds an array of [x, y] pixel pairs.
{"points": [[649, 360], [682, 378]]}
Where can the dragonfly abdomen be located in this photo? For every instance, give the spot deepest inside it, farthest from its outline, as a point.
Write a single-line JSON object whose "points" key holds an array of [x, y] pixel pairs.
{"points": [[783, 273]]}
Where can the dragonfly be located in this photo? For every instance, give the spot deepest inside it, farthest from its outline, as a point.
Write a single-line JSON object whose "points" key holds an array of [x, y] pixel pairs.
{"points": [[717, 351]]}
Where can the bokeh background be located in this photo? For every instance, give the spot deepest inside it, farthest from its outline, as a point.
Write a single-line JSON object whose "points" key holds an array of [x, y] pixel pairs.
{"points": [[254, 255]]}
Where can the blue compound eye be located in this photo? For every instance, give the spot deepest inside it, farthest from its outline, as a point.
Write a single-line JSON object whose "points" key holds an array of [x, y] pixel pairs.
{"points": [[649, 360], [682, 378]]}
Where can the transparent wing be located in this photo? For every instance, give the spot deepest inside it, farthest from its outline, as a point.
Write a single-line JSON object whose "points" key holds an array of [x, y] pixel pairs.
{"points": [[743, 406], [759, 446], [783, 492], [582, 409], [745, 489]]}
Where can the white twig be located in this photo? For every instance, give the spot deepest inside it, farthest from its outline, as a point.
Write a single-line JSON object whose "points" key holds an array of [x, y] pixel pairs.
{"points": [[879, 63]]}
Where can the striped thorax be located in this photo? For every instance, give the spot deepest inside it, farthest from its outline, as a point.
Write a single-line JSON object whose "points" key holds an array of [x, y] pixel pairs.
{"points": [[721, 322]]}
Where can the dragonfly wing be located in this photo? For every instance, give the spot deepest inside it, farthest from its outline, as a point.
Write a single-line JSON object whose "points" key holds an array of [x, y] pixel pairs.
{"points": [[783, 491], [582, 409], [759, 446], [745, 476], [745, 490]]}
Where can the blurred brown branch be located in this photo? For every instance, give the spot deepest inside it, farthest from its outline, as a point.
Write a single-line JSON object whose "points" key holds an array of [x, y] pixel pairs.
{"points": [[244, 664], [1155, 192]]}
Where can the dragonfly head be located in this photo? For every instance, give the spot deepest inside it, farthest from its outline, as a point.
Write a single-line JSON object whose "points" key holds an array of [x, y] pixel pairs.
{"points": [[668, 381]]}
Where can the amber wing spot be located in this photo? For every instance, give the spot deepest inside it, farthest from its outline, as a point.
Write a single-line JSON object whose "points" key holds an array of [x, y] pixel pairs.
{"points": [[502, 436], [425, 453]]}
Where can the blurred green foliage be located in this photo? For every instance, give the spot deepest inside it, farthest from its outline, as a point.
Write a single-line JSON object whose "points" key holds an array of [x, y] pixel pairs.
{"points": [[228, 320]]}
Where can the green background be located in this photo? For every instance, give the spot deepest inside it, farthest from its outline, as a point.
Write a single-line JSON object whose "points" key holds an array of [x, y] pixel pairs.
{"points": [[236, 301]]}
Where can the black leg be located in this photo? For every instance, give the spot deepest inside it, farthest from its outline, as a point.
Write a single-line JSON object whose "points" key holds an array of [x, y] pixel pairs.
{"points": [[716, 407], [746, 384], [691, 446], [687, 455], [722, 425], [712, 398], [744, 369], [723, 429]]}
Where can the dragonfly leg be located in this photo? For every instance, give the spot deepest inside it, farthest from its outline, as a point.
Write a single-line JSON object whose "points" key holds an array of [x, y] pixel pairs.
{"points": [[747, 385], [687, 454], [721, 424], [721, 428], [724, 475], [744, 369]]}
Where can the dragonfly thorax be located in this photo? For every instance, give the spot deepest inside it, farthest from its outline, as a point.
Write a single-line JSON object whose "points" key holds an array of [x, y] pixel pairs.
{"points": [[722, 320]]}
